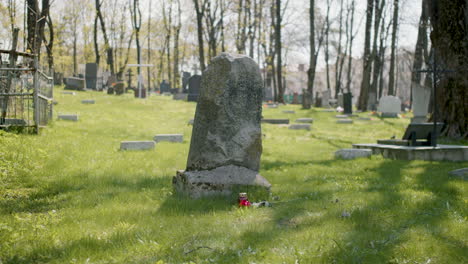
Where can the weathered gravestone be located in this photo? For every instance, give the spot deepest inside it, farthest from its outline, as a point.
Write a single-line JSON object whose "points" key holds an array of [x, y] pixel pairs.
{"points": [[299, 127], [389, 106], [164, 87], [295, 98], [304, 120], [58, 78], [194, 88], [137, 145], [326, 99], [88, 101], [91, 75], [68, 117], [169, 138], [226, 142], [421, 98], [74, 83]]}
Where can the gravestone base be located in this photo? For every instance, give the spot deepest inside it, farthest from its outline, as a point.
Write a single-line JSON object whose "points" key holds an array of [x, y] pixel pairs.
{"points": [[276, 121], [221, 181], [305, 120], [439, 153], [180, 96], [137, 145], [389, 115], [88, 101], [349, 154], [169, 138], [300, 127]]}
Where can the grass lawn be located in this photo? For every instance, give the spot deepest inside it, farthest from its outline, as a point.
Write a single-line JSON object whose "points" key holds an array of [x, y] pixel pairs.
{"points": [[70, 196]]}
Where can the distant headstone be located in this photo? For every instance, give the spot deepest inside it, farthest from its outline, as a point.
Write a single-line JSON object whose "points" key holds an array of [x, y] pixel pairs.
{"points": [[348, 103], [306, 99], [305, 120], [421, 98], [180, 96], [342, 116], [69, 93], [165, 87], [68, 117], [137, 145], [365, 118], [275, 121], [340, 100], [271, 105], [169, 138], [299, 127], [73, 83], [119, 88], [58, 78], [91, 75], [389, 106], [289, 111], [194, 88], [226, 142], [344, 121], [295, 98], [326, 99], [353, 153], [88, 101], [318, 101]]}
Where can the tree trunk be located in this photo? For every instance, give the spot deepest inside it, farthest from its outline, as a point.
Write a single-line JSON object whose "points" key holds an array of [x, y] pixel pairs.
{"points": [[367, 63], [391, 81], [279, 64], [96, 44], [449, 38], [200, 10], [312, 59]]}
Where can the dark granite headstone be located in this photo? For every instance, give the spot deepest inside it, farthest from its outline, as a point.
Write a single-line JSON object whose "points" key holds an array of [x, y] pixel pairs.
{"points": [[348, 103], [74, 83], [194, 88], [58, 78], [165, 87], [91, 75]]}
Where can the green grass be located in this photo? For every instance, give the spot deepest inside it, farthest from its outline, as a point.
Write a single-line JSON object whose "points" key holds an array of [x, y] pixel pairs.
{"points": [[70, 196]]}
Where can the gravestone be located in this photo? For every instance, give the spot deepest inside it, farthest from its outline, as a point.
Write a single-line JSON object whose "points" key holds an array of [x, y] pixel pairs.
{"points": [[326, 99], [295, 99], [344, 121], [226, 142], [185, 81], [137, 145], [164, 87], [349, 154], [180, 96], [289, 111], [299, 127], [304, 120], [421, 98], [91, 75], [119, 88], [74, 83], [275, 121], [169, 138], [70, 93], [268, 93], [342, 116], [68, 117], [389, 106], [88, 101], [194, 88], [306, 99], [58, 78], [318, 100], [340, 100], [348, 103]]}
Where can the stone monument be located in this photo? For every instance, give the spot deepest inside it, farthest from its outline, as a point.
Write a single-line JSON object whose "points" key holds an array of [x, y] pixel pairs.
{"points": [[389, 106], [226, 142], [421, 98]]}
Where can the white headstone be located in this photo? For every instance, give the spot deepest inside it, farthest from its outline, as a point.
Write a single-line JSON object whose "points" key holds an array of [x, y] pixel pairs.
{"points": [[389, 106], [421, 98], [137, 145]]}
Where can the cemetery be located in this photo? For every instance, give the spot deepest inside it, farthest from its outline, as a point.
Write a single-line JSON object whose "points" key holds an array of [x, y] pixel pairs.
{"points": [[233, 132]]}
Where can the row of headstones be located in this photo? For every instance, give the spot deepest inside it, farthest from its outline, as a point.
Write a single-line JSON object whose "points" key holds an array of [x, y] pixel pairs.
{"points": [[74, 117]]}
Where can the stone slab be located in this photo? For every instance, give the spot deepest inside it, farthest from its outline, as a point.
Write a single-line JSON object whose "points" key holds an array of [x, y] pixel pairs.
{"points": [[169, 138], [305, 120], [460, 174], [439, 153], [180, 96], [353, 153], [275, 121], [68, 117], [365, 118], [299, 127], [88, 101], [289, 112], [342, 116], [70, 93], [344, 121], [218, 181], [137, 145]]}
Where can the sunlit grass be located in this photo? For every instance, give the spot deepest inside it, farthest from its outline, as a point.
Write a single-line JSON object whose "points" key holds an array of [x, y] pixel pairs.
{"points": [[70, 195]]}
